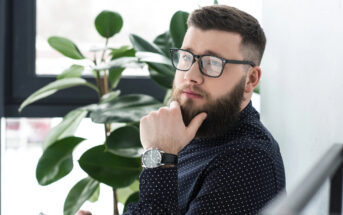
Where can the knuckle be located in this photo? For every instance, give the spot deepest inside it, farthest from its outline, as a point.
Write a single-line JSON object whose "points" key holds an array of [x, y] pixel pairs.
{"points": [[162, 110]]}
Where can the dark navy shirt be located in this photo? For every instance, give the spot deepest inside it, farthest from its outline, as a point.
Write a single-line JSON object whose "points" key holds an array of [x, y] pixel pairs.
{"points": [[233, 174]]}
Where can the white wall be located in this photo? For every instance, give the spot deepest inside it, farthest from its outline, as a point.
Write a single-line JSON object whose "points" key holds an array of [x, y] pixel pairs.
{"points": [[302, 80]]}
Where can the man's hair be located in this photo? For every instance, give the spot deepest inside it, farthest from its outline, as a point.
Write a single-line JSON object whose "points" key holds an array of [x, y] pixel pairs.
{"points": [[230, 19]]}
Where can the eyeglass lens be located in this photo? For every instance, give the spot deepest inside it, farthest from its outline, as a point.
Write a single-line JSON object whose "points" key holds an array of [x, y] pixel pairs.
{"points": [[210, 65]]}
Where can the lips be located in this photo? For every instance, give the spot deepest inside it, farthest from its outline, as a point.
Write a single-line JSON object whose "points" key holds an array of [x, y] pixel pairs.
{"points": [[191, 94]]}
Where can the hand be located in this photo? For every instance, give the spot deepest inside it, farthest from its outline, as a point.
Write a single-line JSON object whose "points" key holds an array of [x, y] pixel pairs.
{"points": [[164, 129], [82, 212]]}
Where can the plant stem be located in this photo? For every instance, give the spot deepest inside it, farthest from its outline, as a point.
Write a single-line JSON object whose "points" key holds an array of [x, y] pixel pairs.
{"points": [[105, 82], [108, 125], [115, 203], [98, 83], [105, 72], [97, 78], [103, 52]]}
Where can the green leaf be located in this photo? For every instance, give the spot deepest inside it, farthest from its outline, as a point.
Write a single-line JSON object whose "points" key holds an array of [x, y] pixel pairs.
{"points": [[257, 89], [164, 80], [135, 186], [53, 87], [108, 168], [178, 27], [122, 62], [141, 44], [80, 192], [164, 42], [108, 97], [74, 71], [65, 47], [57, 160], [95, 195], [162, 74], [114, 76], [151, 57], [124, 51], [133, 198], [65, 128], [167, 97], [128, 108], [125, 141], [108, 23], [123, 194]]}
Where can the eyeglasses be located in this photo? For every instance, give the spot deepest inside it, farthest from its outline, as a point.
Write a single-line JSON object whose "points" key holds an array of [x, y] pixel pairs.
{"points": [[211, 66]]}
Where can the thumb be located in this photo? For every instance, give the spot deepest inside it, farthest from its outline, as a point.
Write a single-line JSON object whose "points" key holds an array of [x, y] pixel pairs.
{"points": [[196, 123]]}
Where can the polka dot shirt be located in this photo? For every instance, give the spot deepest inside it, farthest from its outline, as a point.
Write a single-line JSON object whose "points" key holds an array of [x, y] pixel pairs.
{"points": [[238, 173]]}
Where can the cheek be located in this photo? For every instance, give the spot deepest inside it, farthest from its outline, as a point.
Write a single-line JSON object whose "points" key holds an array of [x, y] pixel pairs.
{"points": [[178, 78]]}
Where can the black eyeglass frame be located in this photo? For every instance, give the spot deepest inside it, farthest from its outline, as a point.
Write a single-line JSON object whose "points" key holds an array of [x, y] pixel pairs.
{"points": [[225, 61]]}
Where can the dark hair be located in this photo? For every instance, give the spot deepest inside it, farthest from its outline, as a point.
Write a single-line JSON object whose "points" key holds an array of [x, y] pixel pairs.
{"points": [[226, 18]]}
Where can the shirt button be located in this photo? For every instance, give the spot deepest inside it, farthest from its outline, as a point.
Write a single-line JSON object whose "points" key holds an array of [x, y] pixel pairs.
{"points": [[142, 181]]}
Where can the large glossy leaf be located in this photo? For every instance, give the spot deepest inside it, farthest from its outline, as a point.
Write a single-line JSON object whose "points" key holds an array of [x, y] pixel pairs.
{"points": [[162, 74], [133, 198], [122, 62], [151, 57], [95, 195], [80, 192], [53, 87], [108, 168], [162, 79], [178, 27], [141, 44], [65, 128], [114, 76], [125, 141], [124, 51], [128, 108], [108, 23], [65, 47], [108, 97], [56, 161], [74, 71], [164, 42]]}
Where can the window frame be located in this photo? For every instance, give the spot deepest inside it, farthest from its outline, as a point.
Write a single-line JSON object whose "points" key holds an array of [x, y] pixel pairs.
{"points": [[17, 68]]}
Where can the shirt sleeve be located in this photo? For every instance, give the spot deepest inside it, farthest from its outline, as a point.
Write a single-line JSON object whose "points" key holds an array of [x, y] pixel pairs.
{"points": [[241, 182], [157, 192]]}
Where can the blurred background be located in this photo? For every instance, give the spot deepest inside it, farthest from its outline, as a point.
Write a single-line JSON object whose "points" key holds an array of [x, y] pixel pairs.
{"points": [[300, 100]]}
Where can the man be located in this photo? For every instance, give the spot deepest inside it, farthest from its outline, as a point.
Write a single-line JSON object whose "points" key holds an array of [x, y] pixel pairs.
{"points": [[219, 158]]}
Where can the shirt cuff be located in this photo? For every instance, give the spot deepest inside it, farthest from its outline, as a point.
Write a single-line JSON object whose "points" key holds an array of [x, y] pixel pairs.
{"points": [[159, 184]]}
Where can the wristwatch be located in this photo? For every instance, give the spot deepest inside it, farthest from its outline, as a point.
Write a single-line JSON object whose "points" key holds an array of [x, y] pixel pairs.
{"points": [[154, 157]]}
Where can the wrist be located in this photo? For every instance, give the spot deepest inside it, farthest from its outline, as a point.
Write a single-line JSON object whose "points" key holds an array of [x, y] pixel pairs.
{"points": [[153, 157]]}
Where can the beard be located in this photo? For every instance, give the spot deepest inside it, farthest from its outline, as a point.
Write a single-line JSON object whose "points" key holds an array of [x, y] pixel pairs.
{"points": [[222, 113]]}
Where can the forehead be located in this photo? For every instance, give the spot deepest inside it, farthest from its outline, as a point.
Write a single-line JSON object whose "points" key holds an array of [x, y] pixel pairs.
{"points": [[222, 43]]}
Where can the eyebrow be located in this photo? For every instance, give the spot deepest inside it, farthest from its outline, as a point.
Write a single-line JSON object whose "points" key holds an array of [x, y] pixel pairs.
{"points": [[207, 52]]}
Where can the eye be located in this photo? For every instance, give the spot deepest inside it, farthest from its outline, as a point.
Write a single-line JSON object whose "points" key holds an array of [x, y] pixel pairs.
{"points": [[187, 57], [214, 62]]}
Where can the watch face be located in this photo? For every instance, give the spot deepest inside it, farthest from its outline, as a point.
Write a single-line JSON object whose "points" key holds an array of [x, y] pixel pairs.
{"points": [[152, 158]]}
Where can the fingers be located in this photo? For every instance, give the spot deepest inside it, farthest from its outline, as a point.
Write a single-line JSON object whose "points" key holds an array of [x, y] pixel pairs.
{"points": [[196, 123], [174, 104]]}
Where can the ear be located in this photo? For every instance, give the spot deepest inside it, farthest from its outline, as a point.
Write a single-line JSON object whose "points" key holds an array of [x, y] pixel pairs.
{"points": [[253, 78]]}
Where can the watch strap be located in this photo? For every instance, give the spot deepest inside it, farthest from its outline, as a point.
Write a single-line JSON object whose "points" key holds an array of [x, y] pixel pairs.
{"points": [[169, 159]]}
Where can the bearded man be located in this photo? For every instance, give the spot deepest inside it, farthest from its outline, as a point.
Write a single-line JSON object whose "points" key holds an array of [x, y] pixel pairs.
{"points": [[208, 152]]}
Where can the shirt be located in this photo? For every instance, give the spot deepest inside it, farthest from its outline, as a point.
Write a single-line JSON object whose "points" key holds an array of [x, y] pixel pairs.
{"points": [[237, 173]]}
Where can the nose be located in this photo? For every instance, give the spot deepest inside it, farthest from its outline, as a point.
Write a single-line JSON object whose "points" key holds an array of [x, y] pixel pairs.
{"points": [[193, 75]]}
